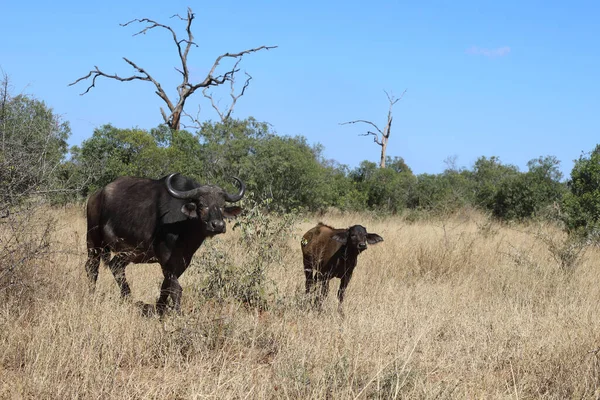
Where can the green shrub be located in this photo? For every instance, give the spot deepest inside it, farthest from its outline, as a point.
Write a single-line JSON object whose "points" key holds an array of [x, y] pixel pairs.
{"points": [[525, 195], [263, 242], [581, 204]]}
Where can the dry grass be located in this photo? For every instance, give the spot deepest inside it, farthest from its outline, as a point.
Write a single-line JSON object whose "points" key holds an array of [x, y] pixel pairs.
{"points": [[459, 308]]}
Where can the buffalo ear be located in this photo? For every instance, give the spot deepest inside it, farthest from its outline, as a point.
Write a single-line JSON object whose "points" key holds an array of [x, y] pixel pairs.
{"points": [[189, 209], [341, 237], [373, 238], [231, 211]]}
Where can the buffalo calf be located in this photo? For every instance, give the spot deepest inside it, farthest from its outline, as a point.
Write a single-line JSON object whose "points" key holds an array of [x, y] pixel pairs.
{"points": [[333, 253]]}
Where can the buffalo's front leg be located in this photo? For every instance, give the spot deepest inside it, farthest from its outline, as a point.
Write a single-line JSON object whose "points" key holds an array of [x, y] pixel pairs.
{"points": [[169, 287], [342, 290]]}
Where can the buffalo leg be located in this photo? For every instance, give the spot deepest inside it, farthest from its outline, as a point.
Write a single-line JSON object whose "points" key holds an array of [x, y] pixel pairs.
{"points": [[95, 254], [169, 287], [92, 265], [161, 303], [342, 290], [323, 285], [117, 267], [308, 273], [176, 292]]}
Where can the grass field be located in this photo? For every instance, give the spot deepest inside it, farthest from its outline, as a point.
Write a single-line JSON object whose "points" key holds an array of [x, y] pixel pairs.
{"points": [[449, 308]]}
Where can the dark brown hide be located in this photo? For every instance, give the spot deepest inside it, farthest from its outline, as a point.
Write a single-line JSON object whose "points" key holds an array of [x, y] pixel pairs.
{"points": [[333, 253], [140, 221]]}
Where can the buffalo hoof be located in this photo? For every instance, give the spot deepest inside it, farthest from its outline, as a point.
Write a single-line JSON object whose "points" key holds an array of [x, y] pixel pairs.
{"points": [[147, 310]]}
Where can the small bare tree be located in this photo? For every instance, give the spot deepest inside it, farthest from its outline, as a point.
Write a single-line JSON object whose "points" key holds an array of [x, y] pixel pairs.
{"points": [[381, 137], [186, 88]]}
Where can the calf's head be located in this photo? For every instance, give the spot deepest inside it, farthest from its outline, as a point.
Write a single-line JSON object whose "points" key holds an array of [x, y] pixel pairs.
{"points": [[357, 237], [207, 202]]}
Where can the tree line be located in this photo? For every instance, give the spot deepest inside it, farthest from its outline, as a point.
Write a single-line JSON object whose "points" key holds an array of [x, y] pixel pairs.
{"points": [[288, 171]]}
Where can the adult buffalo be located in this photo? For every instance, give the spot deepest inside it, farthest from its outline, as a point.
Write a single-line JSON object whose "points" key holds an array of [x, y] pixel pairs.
{"points": [[148, 221], [333, 253]]}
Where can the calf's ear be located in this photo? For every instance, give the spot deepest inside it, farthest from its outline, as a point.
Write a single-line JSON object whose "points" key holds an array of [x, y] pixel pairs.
{"points": [[189, 210], [341, 237], [373, 238], [231, 211]]}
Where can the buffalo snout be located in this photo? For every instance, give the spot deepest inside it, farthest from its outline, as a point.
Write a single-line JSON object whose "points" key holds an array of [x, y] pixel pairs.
{"points": [[217, 226]]}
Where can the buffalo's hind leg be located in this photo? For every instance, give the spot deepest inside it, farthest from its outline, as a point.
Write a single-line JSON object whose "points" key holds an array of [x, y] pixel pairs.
{"points": [[96, 252], [308, 273], [117, 267], [92, 265], [322, 282]]}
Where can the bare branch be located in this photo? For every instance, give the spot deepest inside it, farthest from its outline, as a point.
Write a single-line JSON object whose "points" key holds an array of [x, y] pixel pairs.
{"points": [[189, 41], [153, 24], [393, 100], [234, 98], [210, 80], [363, 121], [179, 16], [159, 90], [375, 137], [402, 94], [96, 73], [212, 102], [195, 120], [164, 115]]}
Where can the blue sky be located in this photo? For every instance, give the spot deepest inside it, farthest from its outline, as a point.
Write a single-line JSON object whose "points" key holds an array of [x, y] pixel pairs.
{"points": [[515, 79]]}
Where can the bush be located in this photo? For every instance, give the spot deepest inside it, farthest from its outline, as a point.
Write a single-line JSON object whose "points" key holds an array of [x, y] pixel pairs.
{"points": [[33, 144], [32, 148], [284, 169], [287, 171], [25, 239], [440, 194], [487, 176], [581, 204], [525, 195], [263, 241], [382, 189]]}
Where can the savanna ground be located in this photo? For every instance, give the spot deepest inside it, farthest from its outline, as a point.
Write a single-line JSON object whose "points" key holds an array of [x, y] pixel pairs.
{"points": [[459, 307]]}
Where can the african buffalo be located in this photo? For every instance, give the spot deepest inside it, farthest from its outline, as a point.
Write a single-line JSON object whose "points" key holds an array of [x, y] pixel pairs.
{"points": [[333, 253], [149, 221]]}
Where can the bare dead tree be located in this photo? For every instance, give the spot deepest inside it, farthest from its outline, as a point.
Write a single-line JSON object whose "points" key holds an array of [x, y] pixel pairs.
{"points": [[186, 88], [381, 137]]}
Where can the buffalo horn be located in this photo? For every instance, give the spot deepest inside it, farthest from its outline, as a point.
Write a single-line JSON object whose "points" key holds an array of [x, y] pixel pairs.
{"points": [[188, 194], [236, 197]]}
